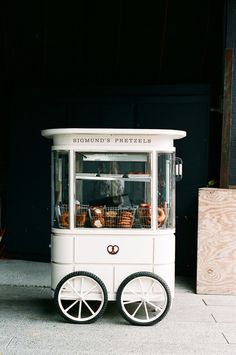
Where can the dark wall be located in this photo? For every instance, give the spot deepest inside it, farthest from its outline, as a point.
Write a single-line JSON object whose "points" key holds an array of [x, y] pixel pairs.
{"points": [[173, 107], [113, 42], [28, 198]]}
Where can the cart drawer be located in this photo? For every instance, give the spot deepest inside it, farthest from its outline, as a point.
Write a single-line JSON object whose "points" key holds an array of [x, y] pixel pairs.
{"points": [[114, 250]]}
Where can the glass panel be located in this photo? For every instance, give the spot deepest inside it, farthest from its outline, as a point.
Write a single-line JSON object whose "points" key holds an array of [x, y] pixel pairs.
{"points": [[61, 189], [111, 186], [166, 190]]}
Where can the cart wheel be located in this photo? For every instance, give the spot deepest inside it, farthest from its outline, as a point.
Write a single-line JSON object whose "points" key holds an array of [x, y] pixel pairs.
{"points": [[143, 298], [81, 297]]}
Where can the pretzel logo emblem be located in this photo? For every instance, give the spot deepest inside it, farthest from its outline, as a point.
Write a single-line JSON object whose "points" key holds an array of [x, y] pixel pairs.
{"points": [[113, 249]]}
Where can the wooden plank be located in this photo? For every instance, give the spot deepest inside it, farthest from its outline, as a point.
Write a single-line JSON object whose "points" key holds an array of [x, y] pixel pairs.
{"points": [[216, 254], [227, 119]]}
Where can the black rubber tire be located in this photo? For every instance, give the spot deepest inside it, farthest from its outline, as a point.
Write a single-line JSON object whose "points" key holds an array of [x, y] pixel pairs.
{"points": [[137, 275], [73, 275]]}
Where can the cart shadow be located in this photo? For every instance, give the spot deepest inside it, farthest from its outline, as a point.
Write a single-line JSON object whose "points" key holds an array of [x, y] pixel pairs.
{"points": [[112, 315], [22, 303], [32, 308]]}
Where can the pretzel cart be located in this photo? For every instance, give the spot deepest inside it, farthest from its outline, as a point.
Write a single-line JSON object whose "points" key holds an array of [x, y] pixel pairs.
{"points": [[113, 222]]}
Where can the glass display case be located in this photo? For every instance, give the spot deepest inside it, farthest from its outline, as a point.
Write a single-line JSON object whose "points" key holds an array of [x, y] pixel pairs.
{"points": [[114, 190]]}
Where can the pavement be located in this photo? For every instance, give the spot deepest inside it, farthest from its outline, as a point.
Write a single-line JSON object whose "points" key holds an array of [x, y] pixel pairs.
{"points": [[29, 323]]}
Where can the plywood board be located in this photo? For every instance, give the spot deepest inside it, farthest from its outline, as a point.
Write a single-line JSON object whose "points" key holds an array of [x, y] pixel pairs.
{"points": [[216, 253]]}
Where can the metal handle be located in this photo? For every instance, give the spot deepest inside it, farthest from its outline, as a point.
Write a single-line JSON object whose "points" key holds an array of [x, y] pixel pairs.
{"points": [[178, 169]]}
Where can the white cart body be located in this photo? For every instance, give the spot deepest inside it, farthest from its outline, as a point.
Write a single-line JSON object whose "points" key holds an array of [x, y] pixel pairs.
{"points": [[112, 252]]}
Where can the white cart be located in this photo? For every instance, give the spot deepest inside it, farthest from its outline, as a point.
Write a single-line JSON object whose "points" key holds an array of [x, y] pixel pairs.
{"points": [[113, 222]]}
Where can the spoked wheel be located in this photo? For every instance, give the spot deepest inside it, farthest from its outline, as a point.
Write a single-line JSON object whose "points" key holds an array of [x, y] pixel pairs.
{"points": [[81, 297], [143, 298]]}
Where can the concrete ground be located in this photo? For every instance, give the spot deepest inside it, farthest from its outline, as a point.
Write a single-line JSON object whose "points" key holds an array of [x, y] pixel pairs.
{"points": [[29, 323]]}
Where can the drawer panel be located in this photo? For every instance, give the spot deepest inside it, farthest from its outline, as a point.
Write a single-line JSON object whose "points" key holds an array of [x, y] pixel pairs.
{"points": [[164, 249], [62, 249], [114, 250]]}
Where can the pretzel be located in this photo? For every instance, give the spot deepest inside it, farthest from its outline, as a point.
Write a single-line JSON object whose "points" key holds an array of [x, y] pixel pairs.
{"points": [[161, 216], [64, 219]]}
